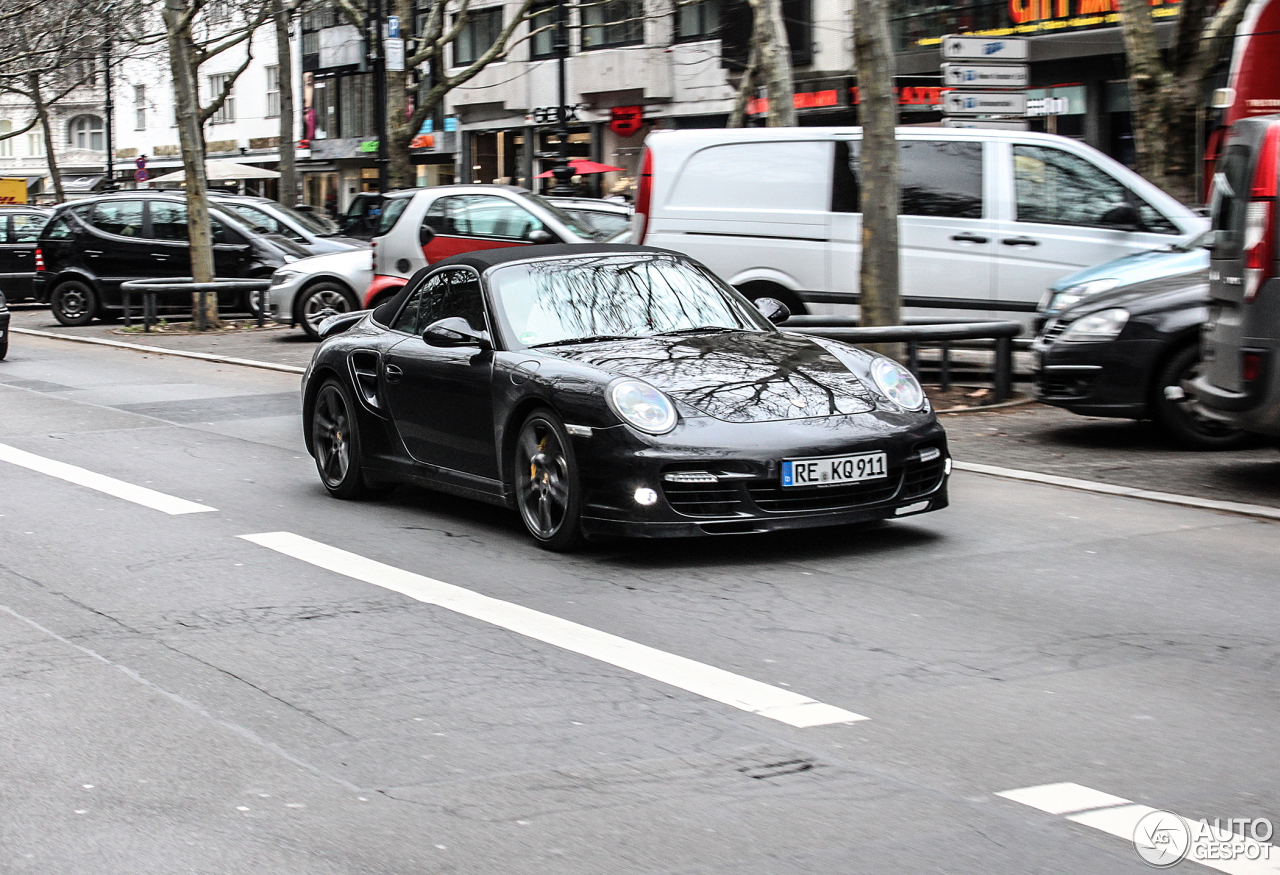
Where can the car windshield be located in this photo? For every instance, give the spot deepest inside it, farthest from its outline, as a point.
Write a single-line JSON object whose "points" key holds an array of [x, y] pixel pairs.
{"points": [[576, 300], [582, 230], [321, 226], [610, 224]]}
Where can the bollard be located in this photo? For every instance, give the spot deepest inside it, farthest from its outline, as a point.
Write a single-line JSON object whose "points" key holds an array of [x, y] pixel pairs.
{"points": [[1004, 369], [944, 377]]}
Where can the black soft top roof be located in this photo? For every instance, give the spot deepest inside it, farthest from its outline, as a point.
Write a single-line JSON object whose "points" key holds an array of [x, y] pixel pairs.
{"points": [[484, 259]]}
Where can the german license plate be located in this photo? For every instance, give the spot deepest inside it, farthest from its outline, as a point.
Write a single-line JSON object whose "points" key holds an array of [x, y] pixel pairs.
{"points": [[834, 470]]}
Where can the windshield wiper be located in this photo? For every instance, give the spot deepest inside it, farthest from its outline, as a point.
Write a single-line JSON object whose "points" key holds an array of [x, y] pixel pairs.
{"points": [[698, 330], [595, 338]]}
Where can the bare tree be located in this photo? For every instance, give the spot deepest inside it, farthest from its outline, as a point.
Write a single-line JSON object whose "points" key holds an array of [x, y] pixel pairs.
{"points": [[193, 41], [284, 12], [1166, 87], [768, 62], [878, 162]]}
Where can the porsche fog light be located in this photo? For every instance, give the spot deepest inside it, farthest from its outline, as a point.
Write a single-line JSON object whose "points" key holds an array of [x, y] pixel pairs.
{"points": [[646, 497], [897, 384], [1103, 325], [641, 406]]}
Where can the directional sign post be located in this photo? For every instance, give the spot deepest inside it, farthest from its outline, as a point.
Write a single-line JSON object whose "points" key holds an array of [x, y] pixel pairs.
{"points": [[986, 75], [977, 48], [986, 124], [984, 103]]}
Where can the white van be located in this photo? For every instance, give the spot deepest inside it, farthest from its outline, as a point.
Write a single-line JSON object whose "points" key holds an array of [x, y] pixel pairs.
{"points": [[989, 218]]}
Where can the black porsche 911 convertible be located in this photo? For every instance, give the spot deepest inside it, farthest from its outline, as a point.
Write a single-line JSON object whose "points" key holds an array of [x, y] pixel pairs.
{"points": [[615, 390]]}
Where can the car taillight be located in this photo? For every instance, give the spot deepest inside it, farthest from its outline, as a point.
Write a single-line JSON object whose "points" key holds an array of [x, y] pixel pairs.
{"points": [[39, 259], [644, 194], [1250, 366], [1260, 217]]}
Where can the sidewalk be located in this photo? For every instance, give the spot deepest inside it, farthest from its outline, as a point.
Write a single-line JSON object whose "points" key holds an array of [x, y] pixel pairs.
{"points": [[1030, 437]]}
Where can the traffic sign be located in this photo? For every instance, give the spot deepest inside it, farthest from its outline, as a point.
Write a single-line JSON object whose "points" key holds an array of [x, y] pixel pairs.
{"points": [[984, 103], [141, 163], [393, 50], [1047, 106], [141, 175], [987, 124], [393, 26], [968, 48], [986, 75]]}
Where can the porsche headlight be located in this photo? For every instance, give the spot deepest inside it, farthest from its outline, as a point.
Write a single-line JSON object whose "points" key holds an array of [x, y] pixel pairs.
{"points": [[897, 384], [1103, 325], [641, 406], [1059, 301]]}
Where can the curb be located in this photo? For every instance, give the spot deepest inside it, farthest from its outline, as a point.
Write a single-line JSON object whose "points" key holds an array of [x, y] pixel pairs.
{"points": [[1251, 510], [981, 408], [160, 350]]}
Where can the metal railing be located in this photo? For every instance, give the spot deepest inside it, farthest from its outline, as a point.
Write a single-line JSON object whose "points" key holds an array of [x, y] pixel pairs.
{"points": [[151, 288], [942, 335]]}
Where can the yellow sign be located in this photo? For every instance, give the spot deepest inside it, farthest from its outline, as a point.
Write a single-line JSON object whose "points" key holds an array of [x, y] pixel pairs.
{"points": [[13, 191]]}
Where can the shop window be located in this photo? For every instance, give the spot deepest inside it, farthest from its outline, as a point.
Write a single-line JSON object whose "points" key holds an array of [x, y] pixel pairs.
{"points": [[736, 25], [697, 19], [1054, 187], [478, 35], [355, 105], [6, 145], [85, 132], [542, 24], [609, 23], [938, 178]]}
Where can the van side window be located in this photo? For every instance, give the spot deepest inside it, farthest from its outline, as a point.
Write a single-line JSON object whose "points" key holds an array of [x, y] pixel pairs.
{"points": [[755, 177], [1054, 187], [938, 177]]}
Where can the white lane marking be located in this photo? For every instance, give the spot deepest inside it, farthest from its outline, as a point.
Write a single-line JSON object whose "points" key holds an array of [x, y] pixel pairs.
{"points": [[160, 350], [1209, 845], [695, 677], [100, 482], [1062, 798], [1237, 507]]}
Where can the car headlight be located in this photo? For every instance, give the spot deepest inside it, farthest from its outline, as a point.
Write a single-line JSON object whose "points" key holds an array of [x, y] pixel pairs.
{"points": [[281, 277], [1103, 325], [1059, 301], [641, 406], [897, 384]]}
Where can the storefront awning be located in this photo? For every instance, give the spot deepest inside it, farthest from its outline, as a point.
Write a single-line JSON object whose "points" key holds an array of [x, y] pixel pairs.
{"points": [[80, 183]]}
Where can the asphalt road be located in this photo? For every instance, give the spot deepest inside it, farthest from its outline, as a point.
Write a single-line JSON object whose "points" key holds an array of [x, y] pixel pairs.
{"points": [[177, 698]]}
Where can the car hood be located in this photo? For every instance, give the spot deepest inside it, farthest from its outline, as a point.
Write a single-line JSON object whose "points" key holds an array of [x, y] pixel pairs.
{"points": [[344, 262], [740, 376], [1139, 267], [1165, 293]]}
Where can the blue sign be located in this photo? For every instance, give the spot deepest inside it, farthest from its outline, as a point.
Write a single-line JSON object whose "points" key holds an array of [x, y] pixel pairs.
{"points": [[393, 27]]}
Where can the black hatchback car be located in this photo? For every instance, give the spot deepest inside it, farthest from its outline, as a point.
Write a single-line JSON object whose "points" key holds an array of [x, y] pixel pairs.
{"points": [[92, 246], [616, 390], [20, 228]]}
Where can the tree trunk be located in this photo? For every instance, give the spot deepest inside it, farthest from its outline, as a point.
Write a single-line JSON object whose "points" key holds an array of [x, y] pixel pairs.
{"points": [[401, 172], [878, 165], [50, 155], [288, 156], [738, 118], [191, 138], [769, 39]]}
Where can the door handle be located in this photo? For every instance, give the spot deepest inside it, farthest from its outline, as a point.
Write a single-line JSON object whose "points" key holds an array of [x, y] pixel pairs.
{"points": [[93, 252], [160, 256], [1020, 241], [968, 238], [393, 374], [22, 254]]}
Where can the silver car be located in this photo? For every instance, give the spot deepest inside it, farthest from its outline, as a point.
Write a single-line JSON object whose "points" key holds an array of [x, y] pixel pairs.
{"points": [[308, 291], [313, 232]]}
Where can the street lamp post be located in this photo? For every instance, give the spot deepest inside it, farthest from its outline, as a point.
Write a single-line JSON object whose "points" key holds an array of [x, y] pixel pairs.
{"points": [[109, 107], [380, 97], [562, 171]]}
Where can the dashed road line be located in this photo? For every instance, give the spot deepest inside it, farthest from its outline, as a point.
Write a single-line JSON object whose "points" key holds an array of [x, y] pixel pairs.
{"points": [[100, 482], [1159, 837], [695, 677]]}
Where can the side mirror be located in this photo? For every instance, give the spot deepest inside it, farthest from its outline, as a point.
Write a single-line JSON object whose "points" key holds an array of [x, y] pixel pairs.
{"points": [[1123, 216], [541, 237], [455, 331], [773, 310], [425, 235]]}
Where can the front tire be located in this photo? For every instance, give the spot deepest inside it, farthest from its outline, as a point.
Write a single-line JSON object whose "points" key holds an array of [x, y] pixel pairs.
{"points": [[753, 291], [545, 474], [1179, 416], [319, 302], [74, 303], [335, 441]]}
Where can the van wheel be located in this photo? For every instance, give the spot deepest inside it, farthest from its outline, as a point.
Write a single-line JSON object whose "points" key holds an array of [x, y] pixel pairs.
{"points": [[1179, 416], [74, 303], [756, 290]]}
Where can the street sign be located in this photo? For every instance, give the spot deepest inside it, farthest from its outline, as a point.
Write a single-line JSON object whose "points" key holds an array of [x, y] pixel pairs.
{"points": [[393, 50], [984, 103], [141, 163], [986, 75], [141, 175], [987, 124], [969, 48], [393, 27], [1047, 106]]}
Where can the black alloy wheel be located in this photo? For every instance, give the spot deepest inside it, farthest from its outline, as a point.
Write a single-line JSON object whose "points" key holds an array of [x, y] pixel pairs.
{"points": [[1181, 417], [336, 442], [320, 301], [74, 303], [546, 480]]}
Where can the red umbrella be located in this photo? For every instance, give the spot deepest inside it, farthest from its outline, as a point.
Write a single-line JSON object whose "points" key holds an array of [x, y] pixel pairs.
{"points": [[583, 166]]}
